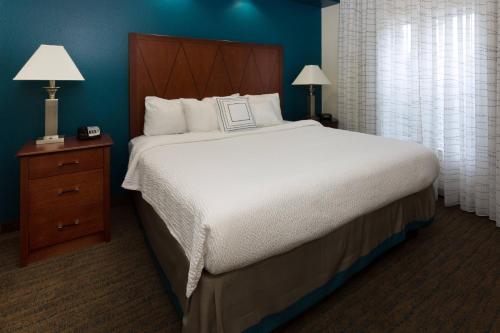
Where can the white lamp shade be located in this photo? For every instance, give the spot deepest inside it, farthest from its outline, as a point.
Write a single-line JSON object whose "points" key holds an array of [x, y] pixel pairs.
{"points": [[311, 75], [50, 62]]}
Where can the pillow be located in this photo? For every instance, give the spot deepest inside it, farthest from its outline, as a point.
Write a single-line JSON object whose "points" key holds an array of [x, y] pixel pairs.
{"points": [[201, 116], [264, 115], [163, 117], [214, 101], [235, 113], [273, 98]]}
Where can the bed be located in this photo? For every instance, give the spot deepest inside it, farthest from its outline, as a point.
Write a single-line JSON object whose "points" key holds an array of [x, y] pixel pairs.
{"points": [[249, 229]]}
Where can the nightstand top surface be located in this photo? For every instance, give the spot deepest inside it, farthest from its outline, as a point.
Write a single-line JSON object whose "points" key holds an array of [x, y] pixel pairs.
{"points": [[332, 123], [318, 119], [70, 143]]}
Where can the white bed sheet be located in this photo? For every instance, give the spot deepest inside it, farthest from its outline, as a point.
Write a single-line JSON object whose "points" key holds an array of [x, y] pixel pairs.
{"points": [[231, 200]]}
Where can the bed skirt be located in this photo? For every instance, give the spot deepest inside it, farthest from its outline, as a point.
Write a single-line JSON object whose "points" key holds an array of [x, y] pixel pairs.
{"points": [[262, 296]]}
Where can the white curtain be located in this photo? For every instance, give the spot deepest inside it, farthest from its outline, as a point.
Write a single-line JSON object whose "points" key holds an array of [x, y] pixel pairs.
{"points": [[426, 71]]}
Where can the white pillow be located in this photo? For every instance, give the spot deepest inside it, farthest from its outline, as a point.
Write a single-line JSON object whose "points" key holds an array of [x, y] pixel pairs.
{"points": [[214, 101], [201, 116], [163, 117], [264, 114], [235, 114], [273, 98]]}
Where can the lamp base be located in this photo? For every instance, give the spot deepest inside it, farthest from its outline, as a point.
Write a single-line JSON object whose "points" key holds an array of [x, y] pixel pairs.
{"points": [[311, 99], [51, 115], [50, 139]]}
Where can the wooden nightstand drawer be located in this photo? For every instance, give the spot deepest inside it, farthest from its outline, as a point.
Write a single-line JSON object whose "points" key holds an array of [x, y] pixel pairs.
{"points": [[62, 192], [63, 163], [62, 225]]}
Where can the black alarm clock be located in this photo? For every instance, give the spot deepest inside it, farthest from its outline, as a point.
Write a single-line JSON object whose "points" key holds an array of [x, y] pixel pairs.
{"points": [[326, 117], [88, 132]]}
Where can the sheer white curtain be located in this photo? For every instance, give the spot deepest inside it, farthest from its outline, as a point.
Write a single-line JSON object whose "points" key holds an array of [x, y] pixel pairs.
{"points": [[426, 71]]}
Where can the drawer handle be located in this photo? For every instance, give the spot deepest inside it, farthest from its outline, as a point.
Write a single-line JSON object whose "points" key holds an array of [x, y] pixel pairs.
{"points": [[63, 164], [72, 190], [61, 226]]}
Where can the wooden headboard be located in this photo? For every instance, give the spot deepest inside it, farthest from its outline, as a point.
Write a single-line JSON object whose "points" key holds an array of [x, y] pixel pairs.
{"points": [[174, 67]]}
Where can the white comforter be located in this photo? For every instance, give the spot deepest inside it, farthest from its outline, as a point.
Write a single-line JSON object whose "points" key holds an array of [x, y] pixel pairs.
{"points": [[231, 200]]}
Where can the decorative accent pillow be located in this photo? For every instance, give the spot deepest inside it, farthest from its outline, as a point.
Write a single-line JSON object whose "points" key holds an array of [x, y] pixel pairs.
{"points": [[264, 115], [273, 98], [235, 114], [163, 117]]}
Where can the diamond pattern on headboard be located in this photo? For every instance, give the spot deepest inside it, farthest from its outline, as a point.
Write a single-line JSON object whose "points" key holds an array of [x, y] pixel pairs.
{"points": [[174, 67]]}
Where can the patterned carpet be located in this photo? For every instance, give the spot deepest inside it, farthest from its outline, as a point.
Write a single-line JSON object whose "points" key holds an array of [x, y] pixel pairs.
{"points": [[445, 280]]}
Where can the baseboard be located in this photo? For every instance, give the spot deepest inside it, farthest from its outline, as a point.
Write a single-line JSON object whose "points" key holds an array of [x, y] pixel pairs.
{"points": [[9, 226]]}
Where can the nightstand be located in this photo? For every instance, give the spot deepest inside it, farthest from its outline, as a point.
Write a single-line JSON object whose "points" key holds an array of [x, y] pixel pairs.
{"points": [[64, 201], [334, 123]]}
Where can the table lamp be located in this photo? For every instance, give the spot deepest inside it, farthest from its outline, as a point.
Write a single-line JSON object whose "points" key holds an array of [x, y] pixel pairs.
{"points": [[50, 63], [311, 75]]}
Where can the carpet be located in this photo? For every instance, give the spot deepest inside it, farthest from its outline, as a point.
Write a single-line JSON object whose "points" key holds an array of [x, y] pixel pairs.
{"points": [[445, 280]]}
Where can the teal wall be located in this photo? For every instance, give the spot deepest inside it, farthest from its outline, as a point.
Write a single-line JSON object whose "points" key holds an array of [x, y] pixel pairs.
{"points": [[95, 34]]}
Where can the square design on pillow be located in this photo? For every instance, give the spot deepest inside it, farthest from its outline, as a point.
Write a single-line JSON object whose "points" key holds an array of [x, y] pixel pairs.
{"points": [[235, 114]]}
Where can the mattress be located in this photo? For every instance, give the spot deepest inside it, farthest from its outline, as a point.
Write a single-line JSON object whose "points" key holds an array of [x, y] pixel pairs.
{"points": [[231, 200]]}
